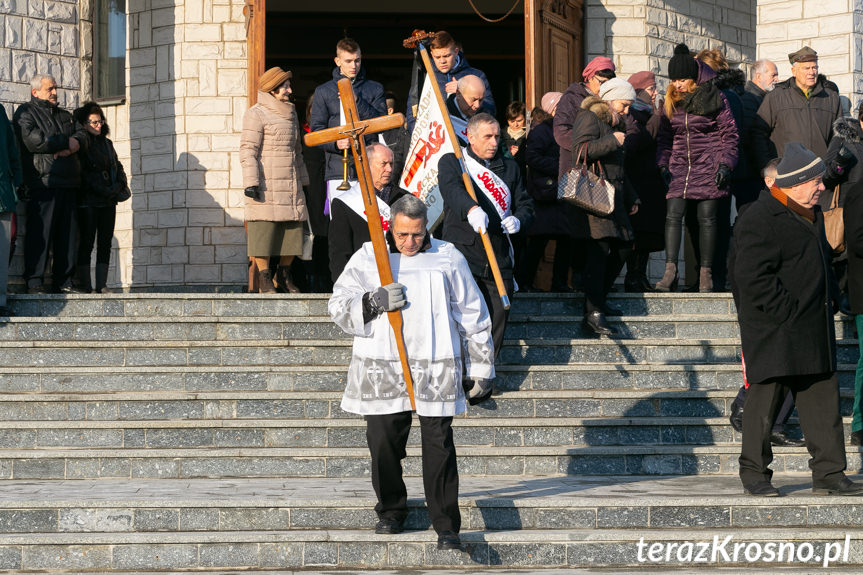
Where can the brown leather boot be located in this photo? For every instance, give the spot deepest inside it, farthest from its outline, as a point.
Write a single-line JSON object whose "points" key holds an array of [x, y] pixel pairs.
{"points": [[705, 280], [286, 283], [669, 279], [265, 282]]}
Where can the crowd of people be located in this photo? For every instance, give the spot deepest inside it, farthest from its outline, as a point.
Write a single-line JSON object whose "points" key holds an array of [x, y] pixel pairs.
{"points": [[64, 166]]}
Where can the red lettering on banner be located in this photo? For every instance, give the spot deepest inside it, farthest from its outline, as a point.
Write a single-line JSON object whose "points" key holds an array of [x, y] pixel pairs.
{"points": [[498, 194], [425, 149]]}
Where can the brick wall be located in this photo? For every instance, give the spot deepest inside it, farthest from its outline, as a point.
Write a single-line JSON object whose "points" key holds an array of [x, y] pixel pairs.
{"points": [[181, 124], [833, 28], [641, 35]]}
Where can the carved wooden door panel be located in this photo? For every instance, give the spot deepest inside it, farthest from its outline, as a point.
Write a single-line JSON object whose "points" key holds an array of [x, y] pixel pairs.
{"points": [[255, 12], [554, 44]]}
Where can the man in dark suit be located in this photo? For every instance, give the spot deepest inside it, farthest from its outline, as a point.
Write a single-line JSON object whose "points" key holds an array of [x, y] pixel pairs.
{"points": [[786, 293], [349, 228], [503, 207]]}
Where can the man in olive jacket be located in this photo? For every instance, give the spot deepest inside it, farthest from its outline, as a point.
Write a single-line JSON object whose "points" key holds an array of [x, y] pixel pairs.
{"points": [[800, 109], [785, 294], [50, 139]]}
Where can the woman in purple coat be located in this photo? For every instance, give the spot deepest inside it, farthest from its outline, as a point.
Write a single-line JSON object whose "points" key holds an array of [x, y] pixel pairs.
{"points": [[696, 152]]}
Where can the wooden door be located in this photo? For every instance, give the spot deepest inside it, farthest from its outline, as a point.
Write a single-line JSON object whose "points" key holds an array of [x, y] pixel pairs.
{"points": [[554, 46], [256, 26]]}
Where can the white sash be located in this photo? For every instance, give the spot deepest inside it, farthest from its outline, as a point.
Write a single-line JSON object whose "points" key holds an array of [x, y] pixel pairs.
{"points": [[353, 199], [491, 185]]}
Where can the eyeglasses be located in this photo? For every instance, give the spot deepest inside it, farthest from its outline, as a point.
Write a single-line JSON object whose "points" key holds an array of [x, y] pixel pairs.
{"points": [[96, 122]]}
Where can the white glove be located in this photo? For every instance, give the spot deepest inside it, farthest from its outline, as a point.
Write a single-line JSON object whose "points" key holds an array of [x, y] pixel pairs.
{"points": [[477, 219], [510, 224]]}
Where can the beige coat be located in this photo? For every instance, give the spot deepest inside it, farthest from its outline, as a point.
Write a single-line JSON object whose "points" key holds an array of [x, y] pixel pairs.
{"points": [[272, 158]]}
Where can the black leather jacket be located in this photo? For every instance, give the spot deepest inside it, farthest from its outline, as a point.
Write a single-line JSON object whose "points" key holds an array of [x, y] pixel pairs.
{"points": [[42, 131]]}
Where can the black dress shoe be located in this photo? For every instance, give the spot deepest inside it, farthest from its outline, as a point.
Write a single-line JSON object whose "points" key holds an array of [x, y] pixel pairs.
{"points": [[449, 540], [856, 438], [38, 289], [596, 321], [561, 288], [610, 311], [388, 526], [843, 487], [782, 440], [761, 489], [71, 289], [736, 417]]}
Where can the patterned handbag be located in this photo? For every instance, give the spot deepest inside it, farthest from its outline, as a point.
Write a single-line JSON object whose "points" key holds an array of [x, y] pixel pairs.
{"points": [[586, 188]]}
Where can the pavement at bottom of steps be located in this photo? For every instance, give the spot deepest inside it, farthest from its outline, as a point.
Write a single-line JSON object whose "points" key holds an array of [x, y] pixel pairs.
{"points": [[574, 491]]}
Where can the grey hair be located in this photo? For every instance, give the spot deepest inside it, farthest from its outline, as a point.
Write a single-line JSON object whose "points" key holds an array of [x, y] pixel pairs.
{"points": [[410, 206], [481, 118], [373, 149], [771, 169], [760, 66], [36, 82]]}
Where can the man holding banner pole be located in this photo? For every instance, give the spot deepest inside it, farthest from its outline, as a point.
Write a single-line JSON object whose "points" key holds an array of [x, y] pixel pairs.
{"points": [[502, 207]]}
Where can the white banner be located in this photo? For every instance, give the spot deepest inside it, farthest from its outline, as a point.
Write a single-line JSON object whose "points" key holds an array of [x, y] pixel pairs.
{"points": [[429, 142]]}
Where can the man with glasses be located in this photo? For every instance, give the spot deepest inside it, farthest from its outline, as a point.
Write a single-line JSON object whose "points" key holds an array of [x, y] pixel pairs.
{"points": [[446, 329], [49, 141], [800, 109]]}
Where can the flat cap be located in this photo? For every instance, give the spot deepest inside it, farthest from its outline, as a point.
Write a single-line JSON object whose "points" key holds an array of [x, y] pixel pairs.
{"points": [[804, 54]]}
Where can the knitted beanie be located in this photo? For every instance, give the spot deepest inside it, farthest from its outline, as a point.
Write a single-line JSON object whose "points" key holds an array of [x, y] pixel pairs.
{"points": [[682, 65], [798, 165], [616, 89]]}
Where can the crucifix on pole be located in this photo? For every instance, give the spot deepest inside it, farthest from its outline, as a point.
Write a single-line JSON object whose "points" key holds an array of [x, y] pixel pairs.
{"points": [[354, 129]]}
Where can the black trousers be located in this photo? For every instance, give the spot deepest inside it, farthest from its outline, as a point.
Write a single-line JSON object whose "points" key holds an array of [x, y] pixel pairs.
{"points": [[706, 211], [817, 399], [499, 315], [387, 436], [784, 411], [605, 259], [97, 226], [51, 225], [533, 254]]}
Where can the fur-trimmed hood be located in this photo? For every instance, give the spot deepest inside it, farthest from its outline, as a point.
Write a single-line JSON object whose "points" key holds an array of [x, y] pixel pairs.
{"points": [[729, 79], [599, 107], [848, 129]]}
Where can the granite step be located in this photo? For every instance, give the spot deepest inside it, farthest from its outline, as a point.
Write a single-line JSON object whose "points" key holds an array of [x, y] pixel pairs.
{"points": [[533, 522], [69, 380], [489, 462], [307, 433], [336, 352]]}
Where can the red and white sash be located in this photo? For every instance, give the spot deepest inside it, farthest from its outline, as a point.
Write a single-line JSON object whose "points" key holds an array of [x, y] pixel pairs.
{"points": [[491, 185], [353, 199]]}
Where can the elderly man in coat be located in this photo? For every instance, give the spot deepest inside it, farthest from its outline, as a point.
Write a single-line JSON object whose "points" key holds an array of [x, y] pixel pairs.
{"points": [[785, 295], [447, 330]]}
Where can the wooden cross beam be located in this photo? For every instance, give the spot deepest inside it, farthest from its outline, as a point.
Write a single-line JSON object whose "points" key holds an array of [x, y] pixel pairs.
{"points": [[355, 129]]}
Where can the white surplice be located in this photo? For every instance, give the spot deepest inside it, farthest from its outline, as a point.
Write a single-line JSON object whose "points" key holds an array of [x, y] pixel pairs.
{"points": [[447, 328]]}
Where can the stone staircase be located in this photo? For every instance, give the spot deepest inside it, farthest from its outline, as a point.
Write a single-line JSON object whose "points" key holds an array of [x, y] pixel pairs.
{"points": [[171, 433]]}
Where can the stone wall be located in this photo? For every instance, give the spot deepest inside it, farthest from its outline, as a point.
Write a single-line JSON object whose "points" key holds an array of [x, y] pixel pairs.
{"points": [[180, 129], [641, 35], [833, 28]]}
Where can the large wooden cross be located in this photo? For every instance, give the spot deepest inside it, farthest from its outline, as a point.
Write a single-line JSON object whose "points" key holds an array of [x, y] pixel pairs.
{"points": [[355, 129]]}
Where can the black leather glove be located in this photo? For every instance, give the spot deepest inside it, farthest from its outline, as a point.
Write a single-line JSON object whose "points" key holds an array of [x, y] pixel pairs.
{"points": [[253, 192], [843, 161], [723, 176], [666, 175]]}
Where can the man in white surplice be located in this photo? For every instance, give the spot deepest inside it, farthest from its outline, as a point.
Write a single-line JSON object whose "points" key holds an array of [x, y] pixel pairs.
{"points": [[447, 331]]}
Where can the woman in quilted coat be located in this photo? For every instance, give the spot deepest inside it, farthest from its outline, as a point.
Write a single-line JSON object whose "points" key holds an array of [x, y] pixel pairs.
{"points": [[696, 152], [273, 177]]}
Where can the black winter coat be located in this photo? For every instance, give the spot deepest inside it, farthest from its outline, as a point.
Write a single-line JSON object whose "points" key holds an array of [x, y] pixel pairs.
{"points": [[43, 130], [348, 232], [779, 267], [847, 132], [593, 127], [316, 191], [747, 188], [853, 216], [552, 216], [786, 115], [326, 113], [644, 175], [457, 203], [102, 174]]}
